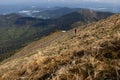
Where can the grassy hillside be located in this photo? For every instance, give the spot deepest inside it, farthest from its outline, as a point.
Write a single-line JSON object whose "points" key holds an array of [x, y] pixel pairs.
{"points": [[91, 54], [16, 31]]}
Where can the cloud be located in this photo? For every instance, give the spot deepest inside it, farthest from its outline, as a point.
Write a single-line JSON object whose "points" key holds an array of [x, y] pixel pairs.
{"points": [[59, 1], [102, 1], [79, 1]]}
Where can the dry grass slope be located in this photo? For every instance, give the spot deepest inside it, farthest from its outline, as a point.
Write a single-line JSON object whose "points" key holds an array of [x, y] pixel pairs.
{"points": [[93, 54]]}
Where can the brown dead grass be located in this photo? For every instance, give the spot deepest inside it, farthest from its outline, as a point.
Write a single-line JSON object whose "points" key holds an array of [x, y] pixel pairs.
{"points": [[93, 54]]}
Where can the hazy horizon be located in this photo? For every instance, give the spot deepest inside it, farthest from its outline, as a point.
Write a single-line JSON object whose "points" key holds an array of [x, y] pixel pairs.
{"points": [[11, 6], [60, 2]]}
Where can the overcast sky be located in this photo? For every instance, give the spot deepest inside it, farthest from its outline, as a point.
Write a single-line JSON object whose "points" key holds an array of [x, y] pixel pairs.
{"points": [[59, 1], [65, 3]]}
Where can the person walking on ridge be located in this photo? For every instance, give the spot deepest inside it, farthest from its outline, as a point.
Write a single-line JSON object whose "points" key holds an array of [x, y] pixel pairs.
{"points": [[75, 31]]}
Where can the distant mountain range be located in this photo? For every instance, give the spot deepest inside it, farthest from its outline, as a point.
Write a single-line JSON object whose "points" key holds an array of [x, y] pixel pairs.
{"points": [[52, 13], [49, 12], [114, 10], [16, 30]]}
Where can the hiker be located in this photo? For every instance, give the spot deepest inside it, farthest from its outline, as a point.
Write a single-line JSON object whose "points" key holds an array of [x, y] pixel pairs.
{"points": [[75, 31]]}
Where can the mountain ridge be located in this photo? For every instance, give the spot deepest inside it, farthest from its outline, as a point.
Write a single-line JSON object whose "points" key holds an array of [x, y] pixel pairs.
{"points": [[16, 31], [92, 53]]}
